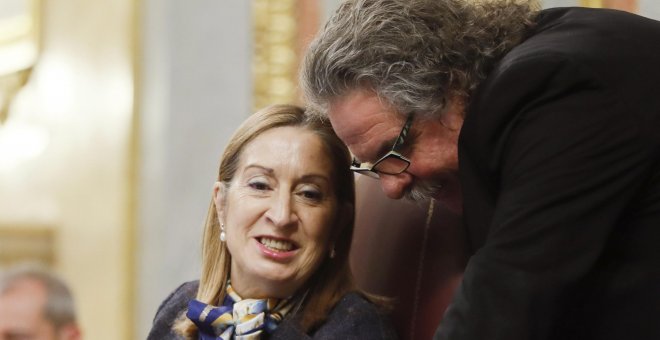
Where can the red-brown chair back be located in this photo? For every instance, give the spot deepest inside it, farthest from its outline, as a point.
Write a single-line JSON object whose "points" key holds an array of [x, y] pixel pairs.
{"points": [[395, 255]]}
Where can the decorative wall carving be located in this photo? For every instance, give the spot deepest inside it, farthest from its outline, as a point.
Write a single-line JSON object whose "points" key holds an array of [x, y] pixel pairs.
{"points": [[274, 62], [19, 47]]}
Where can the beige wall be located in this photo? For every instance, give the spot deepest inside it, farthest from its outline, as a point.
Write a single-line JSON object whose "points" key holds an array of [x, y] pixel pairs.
{"points": [[194, 89], [80, 100]]}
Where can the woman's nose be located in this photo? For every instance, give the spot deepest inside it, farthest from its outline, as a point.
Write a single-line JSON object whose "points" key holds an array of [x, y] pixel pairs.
{"points": [[281, 212], [395, 186]]}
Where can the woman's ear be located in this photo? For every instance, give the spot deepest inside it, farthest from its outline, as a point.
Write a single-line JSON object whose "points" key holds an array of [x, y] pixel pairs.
{"points": [[220, 198]]}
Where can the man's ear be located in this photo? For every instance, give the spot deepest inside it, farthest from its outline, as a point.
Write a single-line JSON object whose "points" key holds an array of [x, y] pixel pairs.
{"points": [[220, 198]]}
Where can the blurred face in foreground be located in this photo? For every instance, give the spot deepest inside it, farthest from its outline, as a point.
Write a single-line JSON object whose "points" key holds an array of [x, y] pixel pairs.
{"points": [[370, 129], [279, 212], [22, 314]]}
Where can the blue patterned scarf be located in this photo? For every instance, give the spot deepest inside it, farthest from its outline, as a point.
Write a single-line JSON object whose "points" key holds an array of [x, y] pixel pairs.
{"points": [[237, 318]]}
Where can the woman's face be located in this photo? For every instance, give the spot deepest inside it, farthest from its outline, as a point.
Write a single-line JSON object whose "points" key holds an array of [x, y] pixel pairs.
{"points": [[278, 212]]}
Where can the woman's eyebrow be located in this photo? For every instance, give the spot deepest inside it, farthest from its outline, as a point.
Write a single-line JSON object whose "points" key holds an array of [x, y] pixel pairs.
{"points": [[260, 167], [308, 177]]}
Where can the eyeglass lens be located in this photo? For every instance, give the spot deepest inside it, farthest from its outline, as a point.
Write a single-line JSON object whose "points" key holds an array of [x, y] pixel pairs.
{"points": [[391, 165]]}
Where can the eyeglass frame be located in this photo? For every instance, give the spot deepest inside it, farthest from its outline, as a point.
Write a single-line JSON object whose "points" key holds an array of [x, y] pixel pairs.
{"points": [[370, 170]]}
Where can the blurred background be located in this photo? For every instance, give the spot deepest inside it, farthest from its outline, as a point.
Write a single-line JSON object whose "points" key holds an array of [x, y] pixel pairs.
{"points": [[113, 115]]}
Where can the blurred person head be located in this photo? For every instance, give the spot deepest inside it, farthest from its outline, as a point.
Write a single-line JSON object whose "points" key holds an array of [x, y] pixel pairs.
{"points": [[36, 305], [284, 204]]}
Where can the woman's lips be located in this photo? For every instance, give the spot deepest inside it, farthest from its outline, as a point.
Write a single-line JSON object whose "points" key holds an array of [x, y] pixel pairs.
{"points": [[276, 248], [275, 244]]}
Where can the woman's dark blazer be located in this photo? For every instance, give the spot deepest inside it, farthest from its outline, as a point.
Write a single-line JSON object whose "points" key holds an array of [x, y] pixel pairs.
{"points": [[560, 171], [352, 318]]}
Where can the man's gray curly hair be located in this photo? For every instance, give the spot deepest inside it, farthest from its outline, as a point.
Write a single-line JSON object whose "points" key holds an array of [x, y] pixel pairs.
{"points": [[414, 54]]}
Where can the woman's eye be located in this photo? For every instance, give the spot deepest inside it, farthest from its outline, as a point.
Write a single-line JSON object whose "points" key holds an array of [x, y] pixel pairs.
{"points": [[312, 195], [258, 185]]}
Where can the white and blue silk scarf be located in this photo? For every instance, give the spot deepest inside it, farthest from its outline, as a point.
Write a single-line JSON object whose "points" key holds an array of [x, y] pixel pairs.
{"points": [[237, 318]]}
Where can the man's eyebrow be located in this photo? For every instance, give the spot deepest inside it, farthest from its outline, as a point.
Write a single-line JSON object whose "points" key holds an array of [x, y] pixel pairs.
{"points": [[384, 148]]}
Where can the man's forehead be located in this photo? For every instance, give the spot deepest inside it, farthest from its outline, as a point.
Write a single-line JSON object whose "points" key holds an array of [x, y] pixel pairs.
{"points": [[363, 123]]}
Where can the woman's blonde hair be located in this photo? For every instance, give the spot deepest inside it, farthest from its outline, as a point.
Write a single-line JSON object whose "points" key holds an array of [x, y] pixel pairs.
{"points": [[332, 279]]}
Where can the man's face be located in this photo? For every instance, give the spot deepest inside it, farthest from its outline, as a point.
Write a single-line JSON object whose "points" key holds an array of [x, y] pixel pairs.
{"points": [[369, 128], [21, 312]]}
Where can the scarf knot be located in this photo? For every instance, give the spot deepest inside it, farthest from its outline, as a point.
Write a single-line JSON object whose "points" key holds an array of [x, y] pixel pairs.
{"points": [[237, 318]]}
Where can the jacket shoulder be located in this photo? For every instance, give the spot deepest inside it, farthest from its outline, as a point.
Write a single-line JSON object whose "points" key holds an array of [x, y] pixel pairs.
{"points": [[354, 317], [170, 309]]}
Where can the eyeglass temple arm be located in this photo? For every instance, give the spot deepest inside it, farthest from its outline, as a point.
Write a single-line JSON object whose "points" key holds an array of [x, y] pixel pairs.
{"points": [[404, 132]]}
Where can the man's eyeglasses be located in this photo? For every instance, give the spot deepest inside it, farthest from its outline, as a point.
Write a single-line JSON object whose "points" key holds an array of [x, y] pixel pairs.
{"points": [[393, 163]]}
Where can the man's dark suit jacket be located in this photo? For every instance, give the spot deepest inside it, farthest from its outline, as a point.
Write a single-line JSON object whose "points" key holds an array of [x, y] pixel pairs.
{"points": [[560, 169]]}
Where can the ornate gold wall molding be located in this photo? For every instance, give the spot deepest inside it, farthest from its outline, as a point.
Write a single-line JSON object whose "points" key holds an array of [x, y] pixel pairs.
{"points": [[624, 5], [19, 47], [274, 62], [591, 3]]}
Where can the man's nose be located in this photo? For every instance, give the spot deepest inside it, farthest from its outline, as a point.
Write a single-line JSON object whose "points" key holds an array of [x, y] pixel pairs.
{"points": [[281, 211], [395, 186]]}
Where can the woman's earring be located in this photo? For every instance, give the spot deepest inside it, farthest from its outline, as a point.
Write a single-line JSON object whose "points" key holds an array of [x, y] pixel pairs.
{"points": [[223, 236], [332, 252]]}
